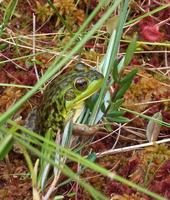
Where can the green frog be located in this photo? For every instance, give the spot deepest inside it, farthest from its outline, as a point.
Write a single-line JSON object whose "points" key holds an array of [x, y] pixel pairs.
{"points": [[63, 100], [64, 97]]}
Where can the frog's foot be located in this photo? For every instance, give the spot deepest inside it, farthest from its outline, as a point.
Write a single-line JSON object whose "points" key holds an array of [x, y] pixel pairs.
{"points": [[85, 130]]}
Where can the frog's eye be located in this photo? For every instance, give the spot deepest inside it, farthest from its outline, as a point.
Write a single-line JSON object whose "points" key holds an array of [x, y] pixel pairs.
{"points": [[69, 95], [81, 84]]}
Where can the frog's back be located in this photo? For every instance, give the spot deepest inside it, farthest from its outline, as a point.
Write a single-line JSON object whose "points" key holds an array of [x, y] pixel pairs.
{"points": [[52, 108]]}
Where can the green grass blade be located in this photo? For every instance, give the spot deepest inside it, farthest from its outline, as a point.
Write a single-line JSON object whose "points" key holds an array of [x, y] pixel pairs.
{"points": [[8, 14], [6, 145], [148, 14], [15, 85], [130, 50], [59, 16], [125, 84], [162, 123]]}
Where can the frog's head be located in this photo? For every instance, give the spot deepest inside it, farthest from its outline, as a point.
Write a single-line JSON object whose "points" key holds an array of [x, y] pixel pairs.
{"points": [[80, 84]]}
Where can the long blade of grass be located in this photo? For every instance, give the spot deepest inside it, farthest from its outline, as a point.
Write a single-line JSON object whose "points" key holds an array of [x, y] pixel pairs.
{"points": [[130, 50], [148, 14], [20, 58], [15, 85], [162, 123]]}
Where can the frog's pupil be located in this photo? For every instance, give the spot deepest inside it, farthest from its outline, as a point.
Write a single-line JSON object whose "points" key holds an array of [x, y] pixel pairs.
{"points": [[81, 84]]}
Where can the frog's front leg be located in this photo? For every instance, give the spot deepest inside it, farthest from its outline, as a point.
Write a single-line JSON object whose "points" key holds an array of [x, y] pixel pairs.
{"points": [[85, 130]]}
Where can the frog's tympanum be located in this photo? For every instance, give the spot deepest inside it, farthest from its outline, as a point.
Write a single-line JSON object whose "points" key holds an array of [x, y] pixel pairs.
{"points": [[64, 96]]}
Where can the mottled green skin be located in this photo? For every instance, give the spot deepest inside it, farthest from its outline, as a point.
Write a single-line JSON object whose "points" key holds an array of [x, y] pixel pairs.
{"points": [[55, 110]]}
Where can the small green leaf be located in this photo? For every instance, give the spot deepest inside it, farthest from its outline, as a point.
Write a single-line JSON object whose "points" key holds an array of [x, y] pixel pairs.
{"points": [[119, 119], [71, 194], [37, 62], [129, 77], [130, 50], [58, 197], [122, 91], [3, 46], [153, 127], [114, 106], [115, 113], [125, 84], [115, 73]]}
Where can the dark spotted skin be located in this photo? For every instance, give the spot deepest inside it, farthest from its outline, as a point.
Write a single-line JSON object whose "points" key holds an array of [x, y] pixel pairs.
{"points": [[52, 113]]}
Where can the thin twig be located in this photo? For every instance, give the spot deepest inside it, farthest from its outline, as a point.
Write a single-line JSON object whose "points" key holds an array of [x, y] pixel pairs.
{"points": [[131, 148], [10, 60], [33, 47], [118, 136]]}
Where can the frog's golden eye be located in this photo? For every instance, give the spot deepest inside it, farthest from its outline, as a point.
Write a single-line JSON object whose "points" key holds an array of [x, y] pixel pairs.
{"points": [[69, 95], [81, 84]]}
